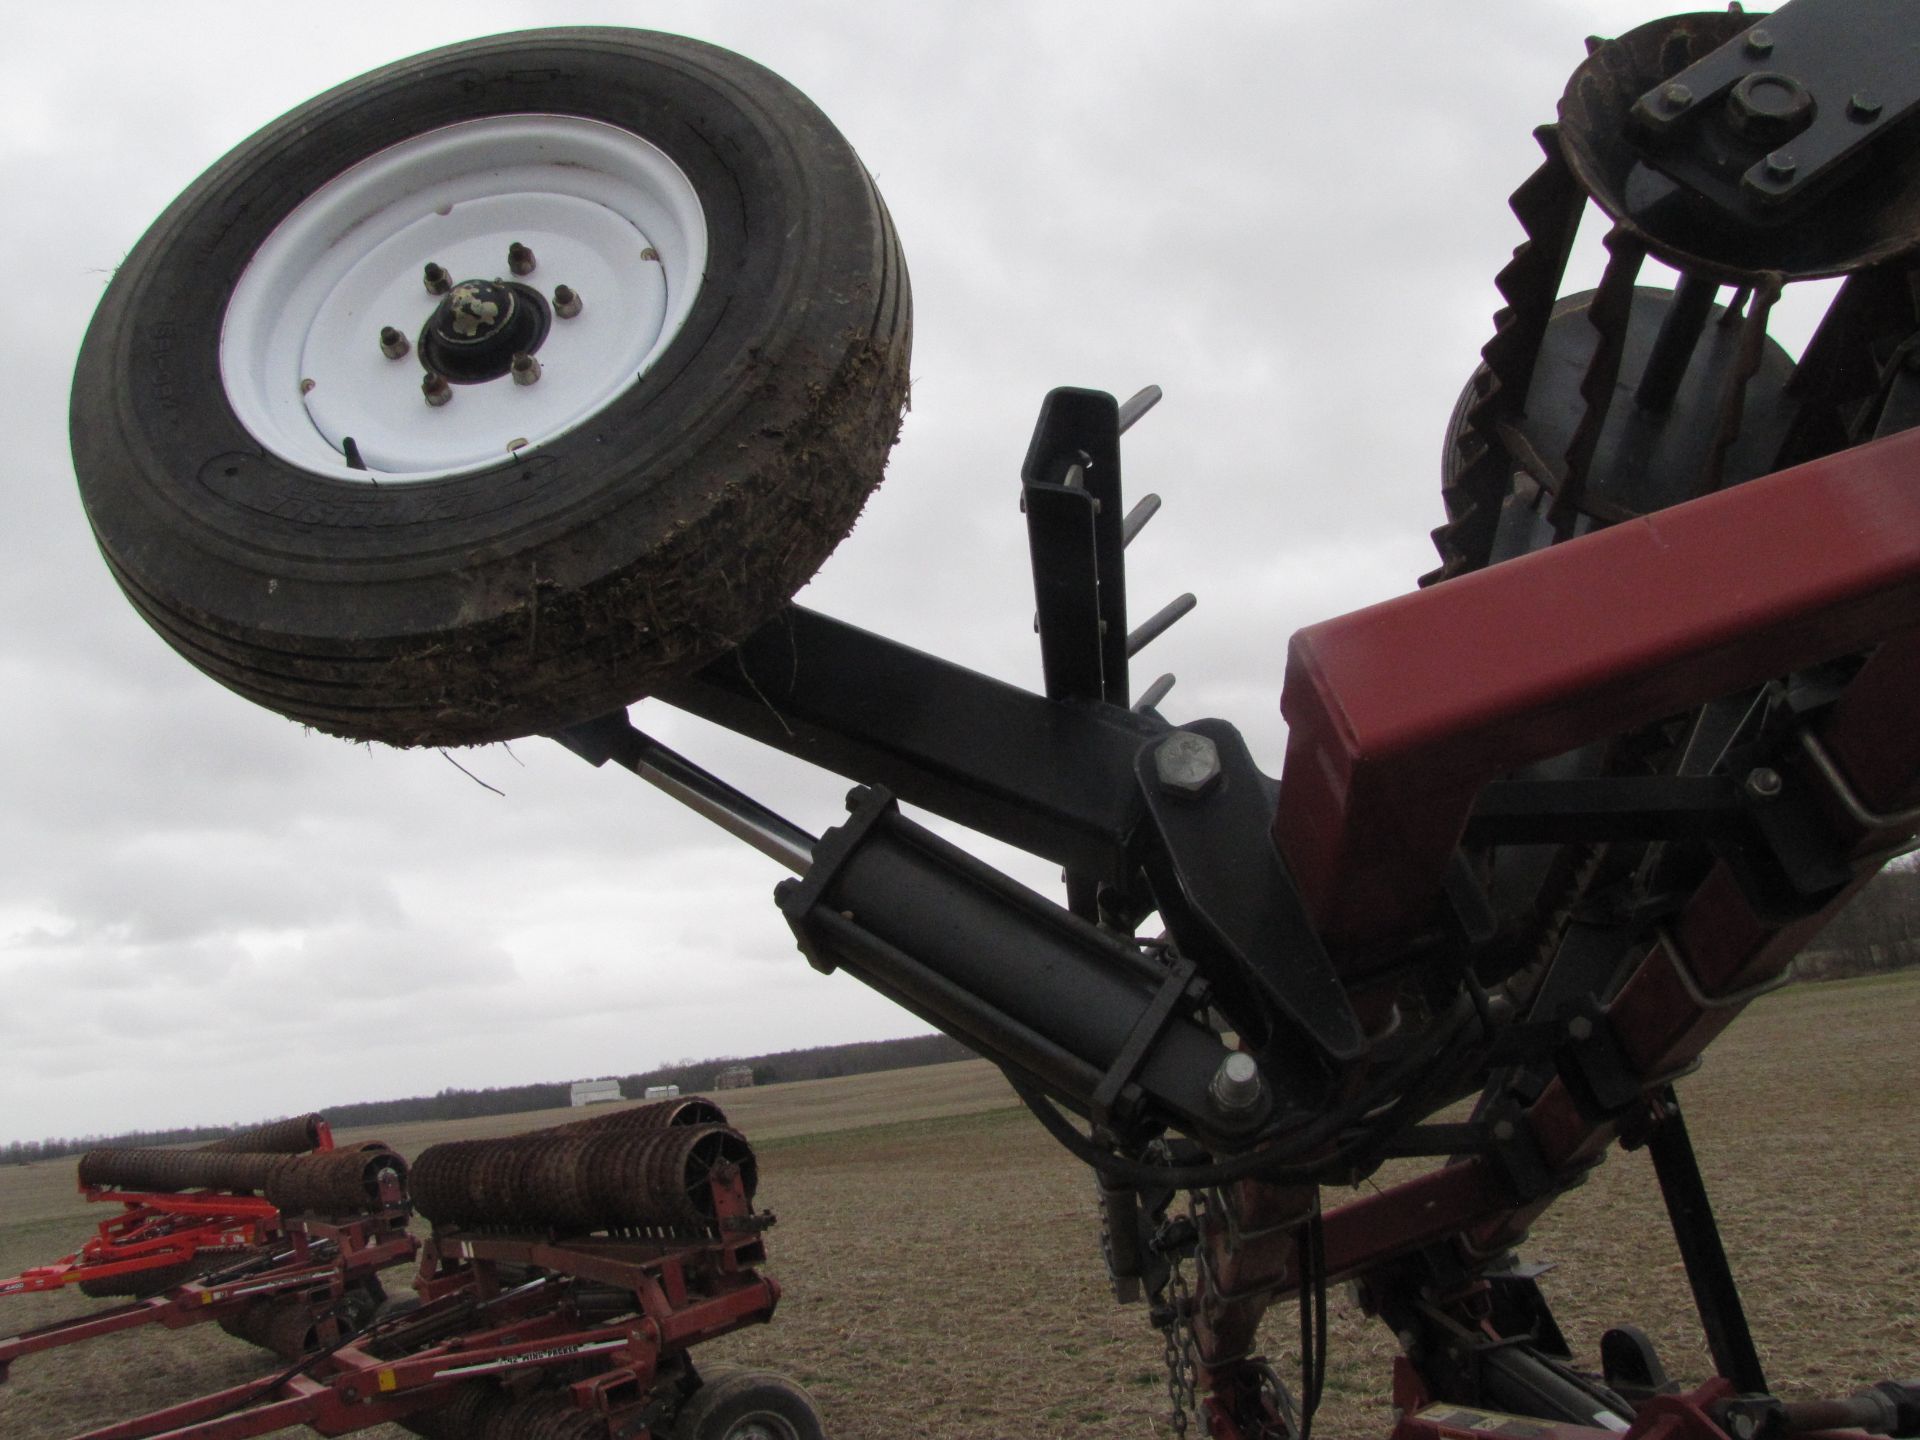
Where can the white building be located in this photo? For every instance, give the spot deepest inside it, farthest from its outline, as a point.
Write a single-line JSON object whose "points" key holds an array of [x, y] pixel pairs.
{"points": [[593, 1092]]}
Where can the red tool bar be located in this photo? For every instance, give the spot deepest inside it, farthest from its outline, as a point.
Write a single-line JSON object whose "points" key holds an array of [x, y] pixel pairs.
{"points": [[213, 1203], [1399, 713]]}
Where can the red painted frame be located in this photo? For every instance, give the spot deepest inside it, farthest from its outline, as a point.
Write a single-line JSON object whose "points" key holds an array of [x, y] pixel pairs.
{"points": [[323, 1259], [1400, 713], [153, 1232], [686, 1291]]}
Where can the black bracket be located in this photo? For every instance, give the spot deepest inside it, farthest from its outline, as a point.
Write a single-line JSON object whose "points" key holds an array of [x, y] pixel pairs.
{"points": [[1517, 1154], [1589, 809], [1581, 1043], [1229, 901], [1767, 121], [1782, 852], [1076, 538], [1178, 987]]}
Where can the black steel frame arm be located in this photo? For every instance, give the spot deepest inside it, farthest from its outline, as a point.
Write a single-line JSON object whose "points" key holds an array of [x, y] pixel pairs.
{"points": [[1054, 778]]}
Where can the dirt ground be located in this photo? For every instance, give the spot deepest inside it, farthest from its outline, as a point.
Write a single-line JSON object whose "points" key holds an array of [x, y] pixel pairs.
{"points": [[942, 1278]]}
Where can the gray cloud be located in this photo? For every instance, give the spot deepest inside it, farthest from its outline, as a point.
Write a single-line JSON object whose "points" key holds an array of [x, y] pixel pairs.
{"points": [[1290, 219]]}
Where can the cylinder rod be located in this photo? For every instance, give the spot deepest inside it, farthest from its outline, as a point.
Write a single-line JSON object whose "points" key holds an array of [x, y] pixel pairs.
{"points": [[613, 737]]}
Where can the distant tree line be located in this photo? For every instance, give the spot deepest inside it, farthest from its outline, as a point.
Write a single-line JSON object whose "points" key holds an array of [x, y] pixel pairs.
{"points": [[823, 1062], [692, 1076], [1879, 929]]}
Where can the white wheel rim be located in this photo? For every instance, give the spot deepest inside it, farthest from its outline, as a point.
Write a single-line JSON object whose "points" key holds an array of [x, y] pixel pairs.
{"points": [[605, 213], [762, 1426]]}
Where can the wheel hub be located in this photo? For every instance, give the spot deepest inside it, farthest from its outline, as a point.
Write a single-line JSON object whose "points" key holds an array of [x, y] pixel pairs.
{"points": [[479, 326]]}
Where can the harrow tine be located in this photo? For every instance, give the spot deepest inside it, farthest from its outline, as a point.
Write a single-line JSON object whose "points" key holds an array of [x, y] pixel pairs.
{"points": [[1693, 301], [1137, 518], [1141, 402], [1608, 314], [1733, 394], [1152, 629], [1153, 694]]}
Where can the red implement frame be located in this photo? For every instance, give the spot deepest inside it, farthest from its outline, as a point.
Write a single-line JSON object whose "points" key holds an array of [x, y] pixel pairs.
{"points": [[157, 1231], [315, 1261], [1400, 713], [483, 1320]]}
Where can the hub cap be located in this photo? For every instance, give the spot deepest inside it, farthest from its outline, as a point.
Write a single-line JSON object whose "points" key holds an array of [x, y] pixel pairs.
{"points": [[474, 333]]}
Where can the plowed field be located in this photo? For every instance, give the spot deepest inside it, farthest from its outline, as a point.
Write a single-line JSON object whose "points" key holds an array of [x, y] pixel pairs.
{"points": [[942, 1279]]}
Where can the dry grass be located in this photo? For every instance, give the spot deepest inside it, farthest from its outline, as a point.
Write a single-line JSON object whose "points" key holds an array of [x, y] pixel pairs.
{"points": [[942, 1281]]}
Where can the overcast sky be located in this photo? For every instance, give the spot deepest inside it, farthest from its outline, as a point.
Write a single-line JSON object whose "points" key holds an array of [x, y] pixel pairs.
{"points": [[1287, 216]]}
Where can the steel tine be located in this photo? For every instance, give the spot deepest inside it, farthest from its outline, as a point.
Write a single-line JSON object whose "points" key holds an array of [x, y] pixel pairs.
{"points": [[1142, 402], [1154, 693], [1152, 629], [1137, 518]]}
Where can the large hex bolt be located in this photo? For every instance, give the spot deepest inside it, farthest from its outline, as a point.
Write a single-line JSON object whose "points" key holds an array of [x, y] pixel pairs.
{"points": [[1769, 108], [1235, 1088], [1187, 763]]}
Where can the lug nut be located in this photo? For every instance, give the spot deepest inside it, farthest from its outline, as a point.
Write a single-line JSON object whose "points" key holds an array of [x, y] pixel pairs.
{"points": [[436, 389], [519, 259], [1235, 1088], [1764, 783], [566, 301], [437, 281], [526, 369], [393, 344]]}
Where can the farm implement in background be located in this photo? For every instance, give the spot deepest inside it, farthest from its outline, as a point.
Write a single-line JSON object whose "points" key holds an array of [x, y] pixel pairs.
{"points": [[283, 1247], [160, 1239], [569, 1273], [1544, 828]]}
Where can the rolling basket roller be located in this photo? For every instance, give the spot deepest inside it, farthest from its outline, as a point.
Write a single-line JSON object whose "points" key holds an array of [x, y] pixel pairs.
{"points": [[583, 1179]]}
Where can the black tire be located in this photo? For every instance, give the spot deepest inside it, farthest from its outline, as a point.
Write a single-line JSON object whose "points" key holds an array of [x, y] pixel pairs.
{"points": [[141, 1284], [563, 583], [363, 1302], [747, 1405], [395, 1306]]}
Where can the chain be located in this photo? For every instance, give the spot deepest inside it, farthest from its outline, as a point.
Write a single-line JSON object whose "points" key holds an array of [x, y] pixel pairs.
{"points": [[1177, 1331], [1178, 1334]]}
